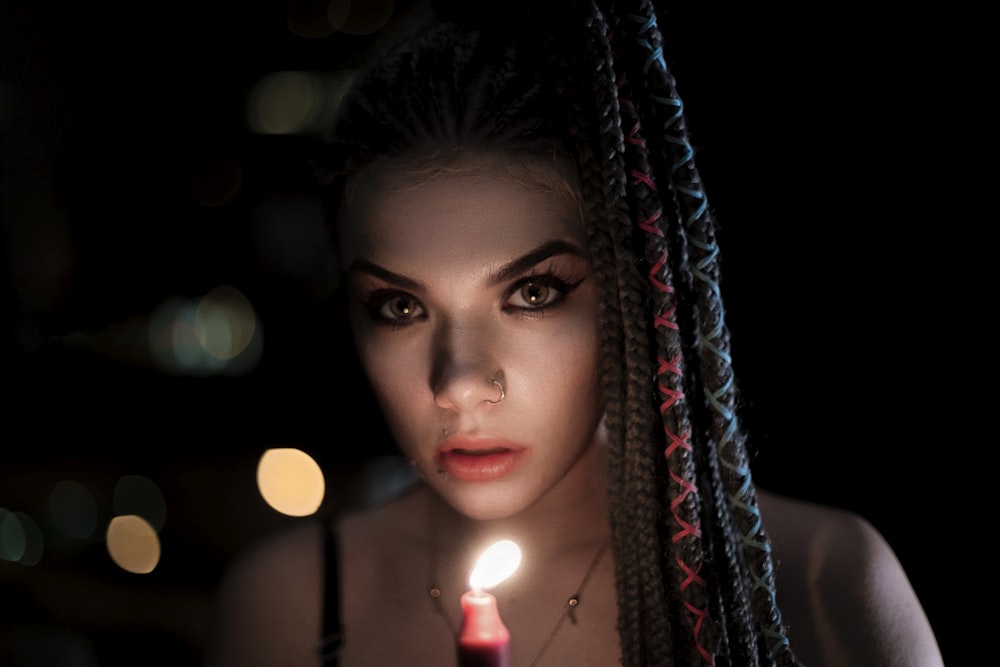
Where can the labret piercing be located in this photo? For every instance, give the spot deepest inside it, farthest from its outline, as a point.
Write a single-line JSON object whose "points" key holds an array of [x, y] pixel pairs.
{"points": [[503, 394]]}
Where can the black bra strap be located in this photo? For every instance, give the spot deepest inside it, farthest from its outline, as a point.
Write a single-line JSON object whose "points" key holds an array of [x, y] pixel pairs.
{"points": [[332, 641]]}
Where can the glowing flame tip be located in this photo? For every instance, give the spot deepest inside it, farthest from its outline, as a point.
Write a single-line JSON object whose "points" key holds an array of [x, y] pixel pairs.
{"points": [[498, 562]]}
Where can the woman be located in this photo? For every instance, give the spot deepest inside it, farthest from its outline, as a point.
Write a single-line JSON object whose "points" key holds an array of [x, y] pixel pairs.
{"points": [[531, 278]]}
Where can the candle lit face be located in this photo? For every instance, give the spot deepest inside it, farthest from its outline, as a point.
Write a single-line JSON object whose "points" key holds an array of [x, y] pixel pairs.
{"points": [[459, 277]]}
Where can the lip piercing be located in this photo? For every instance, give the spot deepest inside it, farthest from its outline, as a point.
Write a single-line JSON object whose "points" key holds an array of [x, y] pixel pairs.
{"points": [[503, 393]]}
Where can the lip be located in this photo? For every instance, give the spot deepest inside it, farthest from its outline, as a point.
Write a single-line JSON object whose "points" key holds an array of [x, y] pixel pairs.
{"points": [[479, 460]]}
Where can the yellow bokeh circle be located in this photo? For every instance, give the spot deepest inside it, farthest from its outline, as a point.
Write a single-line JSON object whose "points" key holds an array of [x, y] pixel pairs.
{"points": [[133, 544], [290, 481]]}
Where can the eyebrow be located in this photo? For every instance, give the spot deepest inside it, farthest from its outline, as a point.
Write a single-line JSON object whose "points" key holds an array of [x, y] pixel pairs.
{"points": [[366, 266], [528, 260], [504, 273]]}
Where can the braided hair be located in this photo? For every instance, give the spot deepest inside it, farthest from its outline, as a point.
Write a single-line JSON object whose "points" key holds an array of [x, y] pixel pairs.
{"points": [[587, 80]]}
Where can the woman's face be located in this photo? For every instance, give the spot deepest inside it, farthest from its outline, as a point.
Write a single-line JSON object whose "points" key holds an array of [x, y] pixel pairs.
{"points": [[465, 277]]}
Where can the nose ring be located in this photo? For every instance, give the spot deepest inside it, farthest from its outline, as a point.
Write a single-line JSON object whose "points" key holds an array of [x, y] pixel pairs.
{"points": [[503, 393]]}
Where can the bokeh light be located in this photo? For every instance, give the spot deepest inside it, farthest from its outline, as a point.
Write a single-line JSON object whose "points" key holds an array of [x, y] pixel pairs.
{"points": [[73, 509], [12, 538], [384, 476], [133, 544], [21, 539], [139, 495], [216, 334], [290, 481], [296, 103], [284, 103], [224, 322]]}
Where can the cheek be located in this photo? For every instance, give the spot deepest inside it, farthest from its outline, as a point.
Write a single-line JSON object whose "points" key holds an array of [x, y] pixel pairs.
{"points": [[393, 376], [389, 374], [565, 370]]}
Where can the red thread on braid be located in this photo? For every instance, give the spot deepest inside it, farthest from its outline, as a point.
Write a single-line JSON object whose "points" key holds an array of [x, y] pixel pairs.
{"points": [[687, 530], [647, 223], [692, 575], [665, 320], [700, 614], [684, 442], [659, 284], [643, 177], [671, 396], [674, 365], [632, 138], [702, 617]]}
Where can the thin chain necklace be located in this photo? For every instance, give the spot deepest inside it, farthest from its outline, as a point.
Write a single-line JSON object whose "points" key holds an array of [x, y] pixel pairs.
{"points": [[569, 611]]}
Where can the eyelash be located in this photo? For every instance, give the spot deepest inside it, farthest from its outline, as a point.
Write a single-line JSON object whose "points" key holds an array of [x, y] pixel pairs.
{"points": [[378, 300], [547, 280]]}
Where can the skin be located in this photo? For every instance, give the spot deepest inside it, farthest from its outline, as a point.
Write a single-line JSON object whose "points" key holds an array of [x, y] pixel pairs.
{"points": [[440, 254]]}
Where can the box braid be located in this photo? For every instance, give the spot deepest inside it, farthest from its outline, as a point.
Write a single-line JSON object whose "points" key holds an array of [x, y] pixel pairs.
{"points": [[587, 79], [713, 518]]}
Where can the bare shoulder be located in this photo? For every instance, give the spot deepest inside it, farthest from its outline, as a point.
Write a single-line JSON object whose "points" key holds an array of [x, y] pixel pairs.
{"points": [[267, 609], [269, 604], [845, 597]]}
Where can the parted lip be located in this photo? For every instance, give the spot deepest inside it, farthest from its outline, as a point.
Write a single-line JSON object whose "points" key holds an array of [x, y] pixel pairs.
{"points": [[477, 445], [479, 459]]}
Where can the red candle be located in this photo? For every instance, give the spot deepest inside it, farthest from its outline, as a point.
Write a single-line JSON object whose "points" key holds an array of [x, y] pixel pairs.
{"points": [[483, 640]]}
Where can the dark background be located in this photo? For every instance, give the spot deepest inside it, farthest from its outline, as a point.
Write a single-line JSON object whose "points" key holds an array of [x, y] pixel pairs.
{"points": [[803, 125]]}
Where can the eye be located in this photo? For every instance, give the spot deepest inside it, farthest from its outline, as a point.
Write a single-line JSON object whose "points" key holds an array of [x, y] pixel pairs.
{"points": [[394, 307], [534, 294]]}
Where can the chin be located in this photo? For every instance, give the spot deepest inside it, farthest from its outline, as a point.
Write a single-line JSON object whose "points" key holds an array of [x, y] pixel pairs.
{"points": [[484, 504]]}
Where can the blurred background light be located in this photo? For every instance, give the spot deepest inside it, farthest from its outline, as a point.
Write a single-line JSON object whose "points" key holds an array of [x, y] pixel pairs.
{"points": [[11, 536], [216, 334], [224, 322], [73, 509], [291, 481], [133, 544], [383, 476], [139, 495], [21, 539], [284, 103], [296, 103]]}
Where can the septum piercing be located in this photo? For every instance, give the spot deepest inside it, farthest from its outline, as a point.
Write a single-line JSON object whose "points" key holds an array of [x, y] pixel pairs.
{"points": [[503, 393]]}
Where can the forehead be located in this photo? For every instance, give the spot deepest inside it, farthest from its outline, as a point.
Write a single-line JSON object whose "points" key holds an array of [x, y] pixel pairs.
{"points": [[472, 208]]}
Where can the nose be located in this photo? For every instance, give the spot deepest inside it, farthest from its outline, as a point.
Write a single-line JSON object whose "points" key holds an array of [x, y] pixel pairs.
{"points": [[466, 373]]}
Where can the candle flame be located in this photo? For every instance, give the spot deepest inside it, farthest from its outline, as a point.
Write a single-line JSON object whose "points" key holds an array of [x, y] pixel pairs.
{"points": [[495, 564]]}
